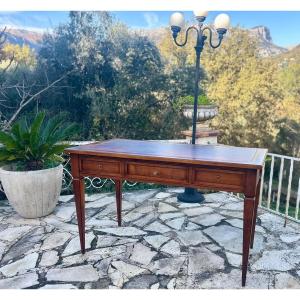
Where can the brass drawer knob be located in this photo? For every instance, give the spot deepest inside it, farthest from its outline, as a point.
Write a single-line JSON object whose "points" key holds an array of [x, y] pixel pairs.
{"points": [[100, 166], [155, 173]]}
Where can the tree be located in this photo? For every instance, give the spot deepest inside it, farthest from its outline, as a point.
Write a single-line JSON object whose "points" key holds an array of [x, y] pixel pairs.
{"points": [[137, 106], [174, 55], [138, 88], [179, 63], [15, 55], [20, 84], [246, 88], [288, 138], [180, 72], [290, 80], [81, 46], [118, 86]]}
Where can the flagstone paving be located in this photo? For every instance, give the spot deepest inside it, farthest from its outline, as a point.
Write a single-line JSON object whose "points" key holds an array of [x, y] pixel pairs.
{"points": [[162, 244]]}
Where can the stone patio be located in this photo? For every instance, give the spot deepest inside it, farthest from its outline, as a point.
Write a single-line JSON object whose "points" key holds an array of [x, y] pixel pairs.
{"points": [[163, 244]]}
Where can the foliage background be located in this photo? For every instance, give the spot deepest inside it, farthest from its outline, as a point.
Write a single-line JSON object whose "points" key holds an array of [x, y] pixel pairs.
{"points": [[116, 82]]}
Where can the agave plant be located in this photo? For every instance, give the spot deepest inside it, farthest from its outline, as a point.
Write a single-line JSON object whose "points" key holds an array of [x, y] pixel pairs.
{"points": [[36, 146]]}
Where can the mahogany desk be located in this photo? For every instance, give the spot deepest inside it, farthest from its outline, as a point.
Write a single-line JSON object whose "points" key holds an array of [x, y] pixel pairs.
{"points": [[224, 168]]}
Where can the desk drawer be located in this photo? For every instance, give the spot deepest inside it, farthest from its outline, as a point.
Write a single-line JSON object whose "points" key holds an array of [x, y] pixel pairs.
{"points": [[219, 178], [158, 172], [101, 167]]}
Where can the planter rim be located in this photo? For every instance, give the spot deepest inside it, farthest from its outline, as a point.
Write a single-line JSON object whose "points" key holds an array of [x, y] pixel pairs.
{"points": [[4, 171], [200, 106]]}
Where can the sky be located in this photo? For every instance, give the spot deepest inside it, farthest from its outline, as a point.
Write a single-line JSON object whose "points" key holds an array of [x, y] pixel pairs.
{"points": [[284, 26]]}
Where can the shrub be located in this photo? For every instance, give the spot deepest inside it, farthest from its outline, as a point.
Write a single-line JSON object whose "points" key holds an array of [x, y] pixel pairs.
{"points": [[36, 146], [189, 100]]}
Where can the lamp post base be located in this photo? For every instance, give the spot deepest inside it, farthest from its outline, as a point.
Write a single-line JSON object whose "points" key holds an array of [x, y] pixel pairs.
{"points": [[190, 195]]}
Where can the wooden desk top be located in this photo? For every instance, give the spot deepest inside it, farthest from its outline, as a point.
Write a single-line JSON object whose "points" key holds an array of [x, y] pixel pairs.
{"points": [[219, 155]]}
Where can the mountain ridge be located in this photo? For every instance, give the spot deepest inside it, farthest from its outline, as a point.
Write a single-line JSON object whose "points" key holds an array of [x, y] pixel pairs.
{"points": [[262, 33], [23, 36]]}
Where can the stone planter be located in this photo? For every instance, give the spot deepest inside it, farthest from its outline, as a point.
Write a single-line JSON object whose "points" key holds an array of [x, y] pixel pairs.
{"points": [[204, 112], [32, 194]]}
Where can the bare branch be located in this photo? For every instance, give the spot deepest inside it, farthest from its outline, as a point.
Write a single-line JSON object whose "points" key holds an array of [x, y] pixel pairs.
{"points": [[25, 101]]}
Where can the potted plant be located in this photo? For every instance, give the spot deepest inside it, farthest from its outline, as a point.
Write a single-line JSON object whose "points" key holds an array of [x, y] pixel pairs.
{"points": [[31, 169], [206, 109]]}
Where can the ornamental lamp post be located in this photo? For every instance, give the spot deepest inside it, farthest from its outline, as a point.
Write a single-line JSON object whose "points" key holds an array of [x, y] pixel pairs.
{"points": [[203, 32]]}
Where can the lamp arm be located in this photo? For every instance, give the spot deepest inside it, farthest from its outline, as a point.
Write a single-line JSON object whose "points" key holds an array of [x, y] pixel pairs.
{"points": [[186, 36], [210, 37]]}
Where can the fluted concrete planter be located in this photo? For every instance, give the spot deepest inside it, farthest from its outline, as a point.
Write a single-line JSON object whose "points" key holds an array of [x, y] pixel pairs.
{"points": [[204, 112], [32, 194]]}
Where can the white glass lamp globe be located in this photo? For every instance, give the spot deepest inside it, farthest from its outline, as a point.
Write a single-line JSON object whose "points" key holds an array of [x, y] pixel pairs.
{"points": [[200, 13], [177, 19], [222, 21]]}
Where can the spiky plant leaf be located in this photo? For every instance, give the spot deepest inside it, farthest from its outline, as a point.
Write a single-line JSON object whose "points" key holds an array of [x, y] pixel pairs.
{"points": [[38, 145], [35, 131], [7, 140]]}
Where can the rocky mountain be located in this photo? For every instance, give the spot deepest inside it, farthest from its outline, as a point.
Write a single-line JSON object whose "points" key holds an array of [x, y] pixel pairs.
{"points": [[267, 47], [22, 36]]}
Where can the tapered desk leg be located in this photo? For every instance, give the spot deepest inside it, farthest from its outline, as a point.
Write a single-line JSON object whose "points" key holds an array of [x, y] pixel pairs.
{"points": [[119, 201], [249, 204], [78, 186], [255, 214]]}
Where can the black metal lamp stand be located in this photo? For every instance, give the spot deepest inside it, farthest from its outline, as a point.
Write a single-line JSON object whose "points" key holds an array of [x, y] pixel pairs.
{"points": [[191, 195]]}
